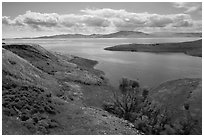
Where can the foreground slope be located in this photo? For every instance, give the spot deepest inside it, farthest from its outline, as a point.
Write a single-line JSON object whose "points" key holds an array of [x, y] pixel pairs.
{"points": [[71, 72], [46, 93]]}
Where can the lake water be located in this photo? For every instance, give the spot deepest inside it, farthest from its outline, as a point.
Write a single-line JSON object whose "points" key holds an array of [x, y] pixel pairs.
{"points": [[150, 69]]}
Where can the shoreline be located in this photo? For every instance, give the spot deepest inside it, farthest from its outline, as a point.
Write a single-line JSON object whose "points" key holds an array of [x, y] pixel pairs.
{"points": [[193, 48]]}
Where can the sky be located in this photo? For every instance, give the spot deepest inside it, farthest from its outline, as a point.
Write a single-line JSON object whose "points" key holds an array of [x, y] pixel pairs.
{"points": [[49, 18]]}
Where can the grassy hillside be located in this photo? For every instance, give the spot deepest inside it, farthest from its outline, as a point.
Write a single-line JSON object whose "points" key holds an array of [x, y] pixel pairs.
{"points": [[176, 94], [193, 48], [50, 93]]}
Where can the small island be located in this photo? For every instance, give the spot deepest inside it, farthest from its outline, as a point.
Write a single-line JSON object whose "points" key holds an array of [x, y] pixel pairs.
{"points": [[193, 48]]}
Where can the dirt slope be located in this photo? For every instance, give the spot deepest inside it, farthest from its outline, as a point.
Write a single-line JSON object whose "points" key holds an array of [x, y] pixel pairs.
{"points": [[47, 93]]}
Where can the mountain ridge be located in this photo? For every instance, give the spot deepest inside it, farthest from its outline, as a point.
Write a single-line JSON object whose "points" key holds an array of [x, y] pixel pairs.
{"points": [[120, 34]]}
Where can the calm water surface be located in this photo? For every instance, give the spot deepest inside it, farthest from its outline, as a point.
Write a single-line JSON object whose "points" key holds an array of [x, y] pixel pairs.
{"points": [[149, 68]]}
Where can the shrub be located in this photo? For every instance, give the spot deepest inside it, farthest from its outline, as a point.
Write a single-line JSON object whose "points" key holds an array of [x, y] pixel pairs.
{"points": [[32, 105], [131, 103]]}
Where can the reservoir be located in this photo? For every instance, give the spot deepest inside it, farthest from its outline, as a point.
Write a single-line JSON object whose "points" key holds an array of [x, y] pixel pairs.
{"points": [[150, 69]]}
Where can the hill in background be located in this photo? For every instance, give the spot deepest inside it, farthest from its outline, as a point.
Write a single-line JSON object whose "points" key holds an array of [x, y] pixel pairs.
{"points": [[123, 34]]}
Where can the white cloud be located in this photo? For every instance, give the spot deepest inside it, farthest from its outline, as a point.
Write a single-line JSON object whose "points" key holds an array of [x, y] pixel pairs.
{"points": [[6, 20], [102, 21]]}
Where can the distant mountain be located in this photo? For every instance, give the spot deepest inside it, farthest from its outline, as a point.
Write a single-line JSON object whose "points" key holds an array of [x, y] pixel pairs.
{"points": [[172, 34], [70, 36], [189, 34], [126, 34], [122, 34]]}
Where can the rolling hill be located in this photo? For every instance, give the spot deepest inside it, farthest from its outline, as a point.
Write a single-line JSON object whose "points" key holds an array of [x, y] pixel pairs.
{"points": [[120, 34]]}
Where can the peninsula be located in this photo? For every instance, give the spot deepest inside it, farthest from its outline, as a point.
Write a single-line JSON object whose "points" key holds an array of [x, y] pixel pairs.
{"points": [[193, 48]]}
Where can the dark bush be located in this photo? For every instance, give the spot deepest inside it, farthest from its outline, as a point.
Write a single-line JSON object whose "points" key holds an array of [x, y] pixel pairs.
{"points": [[128, 102], [131, 103]]}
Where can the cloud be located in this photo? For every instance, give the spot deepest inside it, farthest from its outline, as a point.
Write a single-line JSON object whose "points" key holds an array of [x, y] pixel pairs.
{"points": [[189, 6], [6, 20], [101, 21], [123, 20]]}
